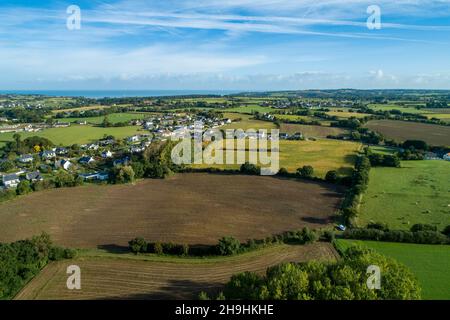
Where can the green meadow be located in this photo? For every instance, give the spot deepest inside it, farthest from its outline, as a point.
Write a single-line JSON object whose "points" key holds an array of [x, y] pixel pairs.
{"points": [[418, 192], [113, 118], [429, 263], [75, 134]]}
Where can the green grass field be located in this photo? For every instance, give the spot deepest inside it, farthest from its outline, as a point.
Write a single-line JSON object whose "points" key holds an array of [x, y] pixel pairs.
{"points": [[346, 115], [113, 118], [430, 263], [251, 108], [388, 107], [74, 134], [416, 193]]}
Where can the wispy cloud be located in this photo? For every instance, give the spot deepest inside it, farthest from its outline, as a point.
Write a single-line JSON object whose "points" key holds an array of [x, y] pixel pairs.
{"points": [[241, 43]]}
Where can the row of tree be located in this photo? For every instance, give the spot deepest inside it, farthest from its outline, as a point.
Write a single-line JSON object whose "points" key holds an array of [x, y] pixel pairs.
{"points": [[345, 279]]}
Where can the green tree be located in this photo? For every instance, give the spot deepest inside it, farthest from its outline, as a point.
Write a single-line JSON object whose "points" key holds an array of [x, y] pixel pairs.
{"points": [[23, 187], [305, 171], [228, 246], [332, 176]]}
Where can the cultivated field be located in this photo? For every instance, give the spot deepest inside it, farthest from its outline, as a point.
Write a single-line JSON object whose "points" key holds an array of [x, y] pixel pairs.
{"points": [[132, 277], [323, 155], [428, 262], [402, 130], [416, 193], [311, 131], [186, 208]]}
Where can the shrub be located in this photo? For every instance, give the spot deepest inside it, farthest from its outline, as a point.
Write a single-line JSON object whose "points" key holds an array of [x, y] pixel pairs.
{"points": [[249, 168], [328, 235], [158, 248], [446, 231], [228, 246], [423, 227], [138, 245], [378, 226], [283, 172], [305, 171], [332, 176], [23, 187]]}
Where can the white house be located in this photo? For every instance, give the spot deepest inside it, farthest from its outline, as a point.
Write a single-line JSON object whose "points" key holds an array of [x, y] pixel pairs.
{"points": [[26, 158], [134, 138], [107, 154], [101, 176], [48, 154], [11, 180], [86, 160], [64, 164]]}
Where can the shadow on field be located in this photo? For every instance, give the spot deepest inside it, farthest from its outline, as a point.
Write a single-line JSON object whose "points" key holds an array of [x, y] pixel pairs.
{"points": [[315, 220], [175, 290], [114, 248]]}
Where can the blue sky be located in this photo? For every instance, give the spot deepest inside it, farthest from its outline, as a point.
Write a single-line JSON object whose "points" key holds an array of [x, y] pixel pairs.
{"points": [[224, 44]]}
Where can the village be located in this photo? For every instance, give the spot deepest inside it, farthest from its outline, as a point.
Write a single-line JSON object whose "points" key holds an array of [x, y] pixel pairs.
{"points": [[92, 161]]}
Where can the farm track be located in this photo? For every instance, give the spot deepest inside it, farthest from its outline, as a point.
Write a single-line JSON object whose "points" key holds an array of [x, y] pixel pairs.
{"points": [[120, 278]]}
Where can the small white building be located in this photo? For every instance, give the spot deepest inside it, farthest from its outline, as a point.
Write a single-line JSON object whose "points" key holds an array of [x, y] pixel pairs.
{"points": [[107, 154], [11, 180], [26, 158]]}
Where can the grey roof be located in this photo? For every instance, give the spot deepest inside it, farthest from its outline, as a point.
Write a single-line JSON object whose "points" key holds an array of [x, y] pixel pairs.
{"points": [[10, 177], [33, 175]]}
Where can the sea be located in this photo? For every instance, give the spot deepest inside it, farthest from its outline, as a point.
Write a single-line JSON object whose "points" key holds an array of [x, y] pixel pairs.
{"points": [[98, 94]]}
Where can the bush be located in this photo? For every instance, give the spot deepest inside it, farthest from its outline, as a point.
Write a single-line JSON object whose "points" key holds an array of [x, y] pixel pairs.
{"points": [[228, 246], [249, 168], [138, 245], [23, 187], [43, 185], [422, 237], [378, 226], [123, 174], [328, 235], [305, 171], [283, 172], [158, 248], [332, 176], [446, 231], [58, 253], [423, 227]]}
